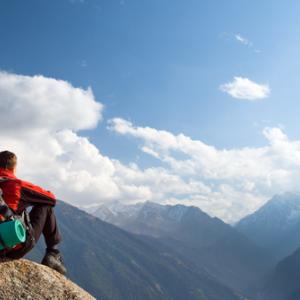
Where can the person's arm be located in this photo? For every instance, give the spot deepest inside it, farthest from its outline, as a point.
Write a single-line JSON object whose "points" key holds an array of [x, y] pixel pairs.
{"points": [[33, 194]]}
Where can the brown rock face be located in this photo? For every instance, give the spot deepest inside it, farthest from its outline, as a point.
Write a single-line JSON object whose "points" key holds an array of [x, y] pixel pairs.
{"points": [[26, 280]]}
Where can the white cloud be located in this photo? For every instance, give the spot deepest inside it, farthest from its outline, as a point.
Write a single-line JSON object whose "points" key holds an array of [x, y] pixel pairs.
{"points": [[233, 182], [40, 118], [243, 40], [244, 88], [38, 103], [41, 122]]}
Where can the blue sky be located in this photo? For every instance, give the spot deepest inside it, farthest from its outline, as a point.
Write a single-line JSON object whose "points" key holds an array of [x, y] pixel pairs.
{"points": [[160, 63]]}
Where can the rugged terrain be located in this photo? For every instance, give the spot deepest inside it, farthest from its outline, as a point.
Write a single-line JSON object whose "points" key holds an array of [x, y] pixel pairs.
{"points": [[24, 279]]}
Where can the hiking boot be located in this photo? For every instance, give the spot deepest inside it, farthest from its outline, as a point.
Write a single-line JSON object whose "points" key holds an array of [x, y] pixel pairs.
{"points": [[53, 260]]}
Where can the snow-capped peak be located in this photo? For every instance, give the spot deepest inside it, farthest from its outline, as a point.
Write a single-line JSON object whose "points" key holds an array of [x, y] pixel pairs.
{"points": [[285, 208]]}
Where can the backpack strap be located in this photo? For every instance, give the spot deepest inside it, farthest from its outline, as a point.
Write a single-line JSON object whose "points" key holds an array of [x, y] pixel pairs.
{"points": [[5, 210]]}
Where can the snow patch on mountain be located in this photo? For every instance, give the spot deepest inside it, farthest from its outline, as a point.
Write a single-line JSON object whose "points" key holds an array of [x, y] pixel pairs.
{"points": [[116, 211]]}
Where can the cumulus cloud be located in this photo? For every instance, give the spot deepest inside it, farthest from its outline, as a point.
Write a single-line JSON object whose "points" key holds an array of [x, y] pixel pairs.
{"points": [[41, 122], [42, 119], [244, 88], [233, 182], [38, 103]]}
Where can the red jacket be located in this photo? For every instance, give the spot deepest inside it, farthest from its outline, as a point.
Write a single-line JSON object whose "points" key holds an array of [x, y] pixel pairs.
{"points": [[19, 194]]}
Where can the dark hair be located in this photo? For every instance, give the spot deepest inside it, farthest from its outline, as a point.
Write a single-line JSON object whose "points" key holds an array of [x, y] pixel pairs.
{"points": [[8, 160]]}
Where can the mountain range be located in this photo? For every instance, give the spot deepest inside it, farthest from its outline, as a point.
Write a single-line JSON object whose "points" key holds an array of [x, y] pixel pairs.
{"points": [[111, 263], [208, 242], [152, 251]]}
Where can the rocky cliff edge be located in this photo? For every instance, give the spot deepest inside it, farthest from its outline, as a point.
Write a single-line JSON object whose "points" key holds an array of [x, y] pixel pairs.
{"points": [[25, 280]]}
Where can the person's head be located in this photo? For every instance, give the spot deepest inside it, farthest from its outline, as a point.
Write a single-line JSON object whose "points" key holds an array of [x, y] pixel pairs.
{"points": [[8, 160]]}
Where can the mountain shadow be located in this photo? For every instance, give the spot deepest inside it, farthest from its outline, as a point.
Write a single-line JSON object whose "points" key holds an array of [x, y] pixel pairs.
{"points": [[283, 282]]}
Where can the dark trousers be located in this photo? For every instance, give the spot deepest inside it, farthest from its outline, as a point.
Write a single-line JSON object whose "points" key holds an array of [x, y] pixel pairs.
{"points": [[43, 220]]}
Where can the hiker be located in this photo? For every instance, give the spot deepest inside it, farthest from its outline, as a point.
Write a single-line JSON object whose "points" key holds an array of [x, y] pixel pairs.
{"points": [[19, 195]]}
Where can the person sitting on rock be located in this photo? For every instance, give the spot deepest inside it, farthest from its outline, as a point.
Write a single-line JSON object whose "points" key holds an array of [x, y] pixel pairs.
{"points": [[19, 195]]}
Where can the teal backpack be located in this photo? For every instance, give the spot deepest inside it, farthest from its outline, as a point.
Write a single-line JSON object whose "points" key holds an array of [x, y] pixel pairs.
{"points": [[12, 230]]}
